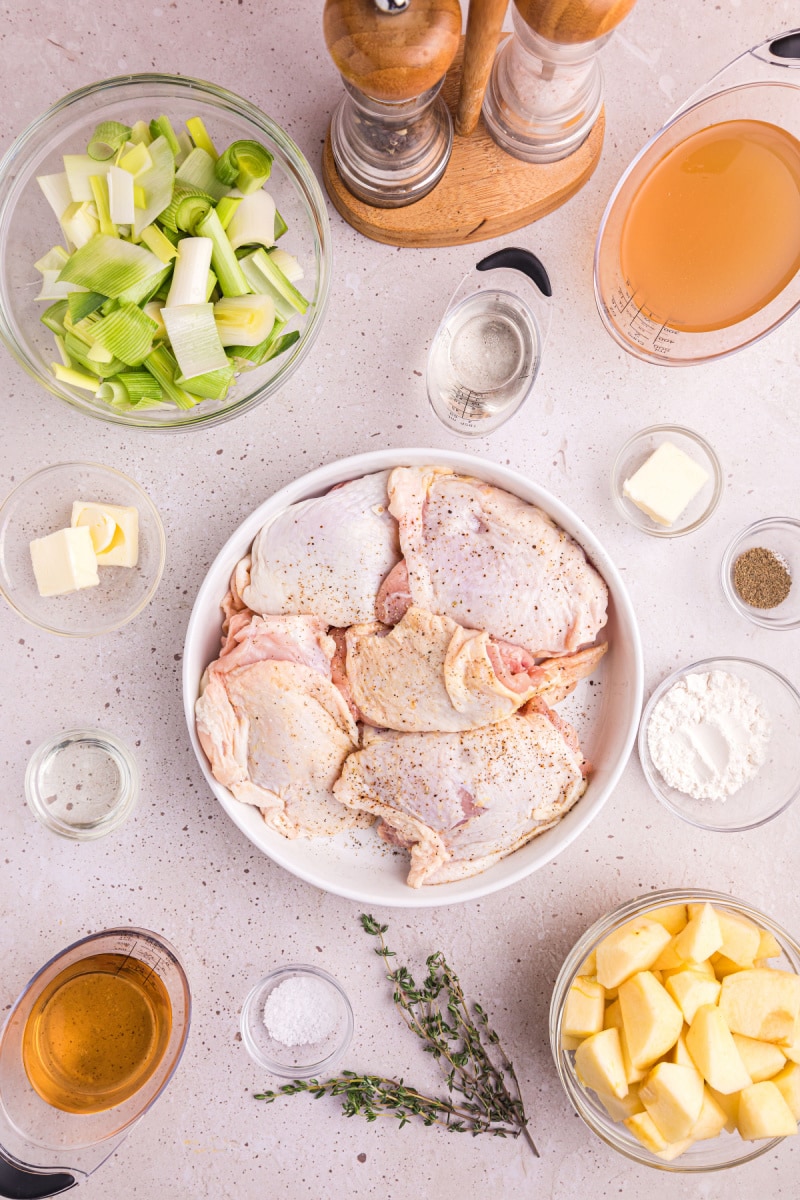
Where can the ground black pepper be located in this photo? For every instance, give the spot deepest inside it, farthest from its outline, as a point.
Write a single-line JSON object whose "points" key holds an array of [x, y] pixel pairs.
{"points": [[761, 578]]}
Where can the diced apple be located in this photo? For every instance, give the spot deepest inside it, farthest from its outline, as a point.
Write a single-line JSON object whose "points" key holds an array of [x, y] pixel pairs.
{"points": [[762, 1059], [669, 959], [620, 1110], [725, 966], [570, 1043], [613, 1020], [584, 1009], [761, 1003], [672, 916], [701, 937], [740, 937], [768, 945], [631, 948], [589, 965], [644, 1128], [673, 1096], [712, 1120], [679, 1053], [650, 1017], [729, 1105], [787, 1081], [674, 1150], [792, 1051], [763, 1113], [599, 1065], [689, 989], [714, 1053], [704, 968]]}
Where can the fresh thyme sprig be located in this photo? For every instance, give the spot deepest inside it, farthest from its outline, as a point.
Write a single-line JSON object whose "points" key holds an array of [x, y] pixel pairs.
{"points": [[484, 1093]]}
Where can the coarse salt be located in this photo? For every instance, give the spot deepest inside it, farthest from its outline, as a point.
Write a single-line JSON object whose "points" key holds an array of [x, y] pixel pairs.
{"points": [[301, 1010]]}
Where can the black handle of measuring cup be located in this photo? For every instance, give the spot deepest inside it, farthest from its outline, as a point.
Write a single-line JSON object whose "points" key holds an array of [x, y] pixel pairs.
{"points": [[786, 46], [517, 259], [17, 1183]]}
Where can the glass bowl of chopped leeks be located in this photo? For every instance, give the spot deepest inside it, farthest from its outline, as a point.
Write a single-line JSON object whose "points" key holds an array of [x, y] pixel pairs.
{"points": [[147, 195], [297, 1022]]}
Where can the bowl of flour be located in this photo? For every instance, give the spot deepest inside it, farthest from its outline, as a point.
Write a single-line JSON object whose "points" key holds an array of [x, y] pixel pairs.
{"points": [[718, 743]]}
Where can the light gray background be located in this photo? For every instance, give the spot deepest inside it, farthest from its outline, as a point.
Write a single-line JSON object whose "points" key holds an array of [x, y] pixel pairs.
{"points": [[179, 866]]}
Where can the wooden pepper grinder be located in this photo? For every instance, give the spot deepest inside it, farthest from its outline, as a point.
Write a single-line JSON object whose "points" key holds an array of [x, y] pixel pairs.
{"points": [[391, 134], [546, 88]]}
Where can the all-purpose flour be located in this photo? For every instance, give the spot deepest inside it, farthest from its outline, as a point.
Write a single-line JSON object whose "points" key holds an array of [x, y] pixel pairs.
{"points": [[708, 735]]}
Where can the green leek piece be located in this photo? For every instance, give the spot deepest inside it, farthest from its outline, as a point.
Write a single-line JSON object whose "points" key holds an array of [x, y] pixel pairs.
{"points": [[162, 127], [140, 133], [121, 196], [253, 223], [56, 192], [181, 191], [80, 222], [82, 304], [244, 320], [115, 395], [136, 160], [161, 246], [185, 147], [62, 350], [157, 182], [110, 265], [245, 165], [141, 385], [256, 356], [142, 292], [101, 203], [267, 279], [287, 263], [197, 171], [211, 285], [199, 135], [213, 385], [224, 262], [53, 317], [281, 345], [107, 139], [127, 332], [163, 367], [226, 208], [280, 225], [194, 339], [190, 210], [79, 169], [78, 379], [101, 357]]}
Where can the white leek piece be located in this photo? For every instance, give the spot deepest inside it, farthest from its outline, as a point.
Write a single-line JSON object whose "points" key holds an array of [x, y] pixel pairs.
{"points": [[78, 379], [253, 223], [185, 147], [52, 261], [110, 266], [140, 132], [79, 169], [56, 192], [120, 196], [153, 310], [244, 320], [288, 264], [194, 339], [190, 277], [53, 289], [80, 222], [157, 183], [197, 169]]}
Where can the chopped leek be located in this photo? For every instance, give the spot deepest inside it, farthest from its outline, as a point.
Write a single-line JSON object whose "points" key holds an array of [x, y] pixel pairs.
{"points": [[162, 127], [244, 320], [245, 165], [190, 275], [53, 317], [80, 222], [107, 139], [79, 169], [56, 192], [140, 385], [199, 135], [82, 304], [213, 385], [120, 196], [136, 160], [52, 261], [197, 169], [194, 339], [287, 263], [161, 246], [140, 133], [226, 207], [265, 277], [101, 203], [78, 379], [153, 308], [280, 226], [164, 369], [253, 223], [226, 266], [127, 332], [110, 266], [157, 182]]}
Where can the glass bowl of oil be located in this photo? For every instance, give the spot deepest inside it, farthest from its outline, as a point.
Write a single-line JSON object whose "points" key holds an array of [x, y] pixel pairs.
{"points": [[82, 784]]}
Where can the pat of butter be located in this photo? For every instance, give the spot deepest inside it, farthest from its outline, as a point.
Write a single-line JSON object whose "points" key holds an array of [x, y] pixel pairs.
{"points": [[64, 561], [665, 484], [114, 530]]}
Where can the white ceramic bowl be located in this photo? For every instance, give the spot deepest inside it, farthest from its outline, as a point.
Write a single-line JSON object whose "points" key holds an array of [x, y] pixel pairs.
{"points": [[357, 865]]}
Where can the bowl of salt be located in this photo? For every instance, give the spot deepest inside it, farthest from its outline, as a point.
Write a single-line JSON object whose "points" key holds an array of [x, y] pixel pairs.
{"points": [[297, 1022]]}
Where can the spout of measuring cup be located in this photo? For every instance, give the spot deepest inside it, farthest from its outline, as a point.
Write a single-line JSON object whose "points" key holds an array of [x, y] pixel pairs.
{"points": [[21, 1183]]}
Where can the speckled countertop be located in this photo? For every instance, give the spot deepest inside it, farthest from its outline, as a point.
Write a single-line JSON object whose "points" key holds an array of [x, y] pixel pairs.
{"points": [[180, 866]]}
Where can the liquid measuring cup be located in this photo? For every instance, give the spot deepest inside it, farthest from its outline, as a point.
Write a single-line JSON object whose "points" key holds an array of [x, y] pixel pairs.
{"points": [[485, 355], [736, 137], [47, 1145]]}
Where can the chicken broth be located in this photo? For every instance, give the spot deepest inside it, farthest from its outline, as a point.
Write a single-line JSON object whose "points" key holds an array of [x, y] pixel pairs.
{"points": [[713, 233], [96, 1033]]}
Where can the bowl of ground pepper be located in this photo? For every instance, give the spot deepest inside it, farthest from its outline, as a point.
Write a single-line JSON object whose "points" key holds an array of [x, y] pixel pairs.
{"points": [[760, 573]]}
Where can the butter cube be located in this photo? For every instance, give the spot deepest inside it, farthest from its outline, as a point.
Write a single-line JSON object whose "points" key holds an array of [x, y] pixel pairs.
{"points": [[665, 484], [114, 530], [64, 561]]}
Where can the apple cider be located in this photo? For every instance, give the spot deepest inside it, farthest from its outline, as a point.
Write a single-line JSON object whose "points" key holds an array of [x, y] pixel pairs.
{"points": [[96, 1033], [713, 233]]}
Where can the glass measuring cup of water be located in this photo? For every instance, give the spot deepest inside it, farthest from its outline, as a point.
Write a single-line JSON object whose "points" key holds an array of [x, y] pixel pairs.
{"points": [[485, 355], [65, 1105], [729, 263]]}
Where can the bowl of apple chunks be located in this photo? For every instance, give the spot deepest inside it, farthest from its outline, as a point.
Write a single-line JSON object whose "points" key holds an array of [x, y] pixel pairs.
{"points": [[675, 1029]]}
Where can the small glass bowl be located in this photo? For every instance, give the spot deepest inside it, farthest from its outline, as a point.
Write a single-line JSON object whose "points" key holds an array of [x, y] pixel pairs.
{"points": [[782, 536], [726, 1150], [309, 1061], [639, 448], [82, 784], [777, 782], [41, 504]]}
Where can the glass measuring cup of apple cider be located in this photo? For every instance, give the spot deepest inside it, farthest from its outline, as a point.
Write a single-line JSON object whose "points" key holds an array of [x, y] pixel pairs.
{"points": [[698, 253]]}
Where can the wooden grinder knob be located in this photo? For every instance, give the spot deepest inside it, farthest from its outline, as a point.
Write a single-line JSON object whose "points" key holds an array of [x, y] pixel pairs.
{"points": [[392, 56], [568, 22]]}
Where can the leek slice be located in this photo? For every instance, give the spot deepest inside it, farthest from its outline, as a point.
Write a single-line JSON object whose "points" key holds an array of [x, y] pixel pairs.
{"points": [[101, 203], [157, 182], [82, 304], [56, 192], [52, 261], [271, 348], [78, 379], [287, 263], [79, 169], [245, 165], [140, 385], [153, 309], [199, 135], [107, 139], [53, 317], [80, 222], [280, 225], [194, 339], [190, 276], [181, 192], [244, 320], [190, 210], [163, 368], [140, 133], [213, 385], [253, 223], [265, 277], [136, 160], [144, 291], [127, 332], [226, 207], [197, 170], [161, 246], [162, 127], [110, 266], [230, 276], [52, 289], [185, 147], [120, 196], [62, 350]]}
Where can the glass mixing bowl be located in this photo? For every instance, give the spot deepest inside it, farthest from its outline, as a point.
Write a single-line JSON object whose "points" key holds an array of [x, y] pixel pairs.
{"points": [[726, 1150], [28, 228]]}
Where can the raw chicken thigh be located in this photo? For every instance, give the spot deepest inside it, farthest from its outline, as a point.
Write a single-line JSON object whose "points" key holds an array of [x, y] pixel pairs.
{"points": [[326, 556], [428, 673], [462, 801], [275, 728], [490, 561]]}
